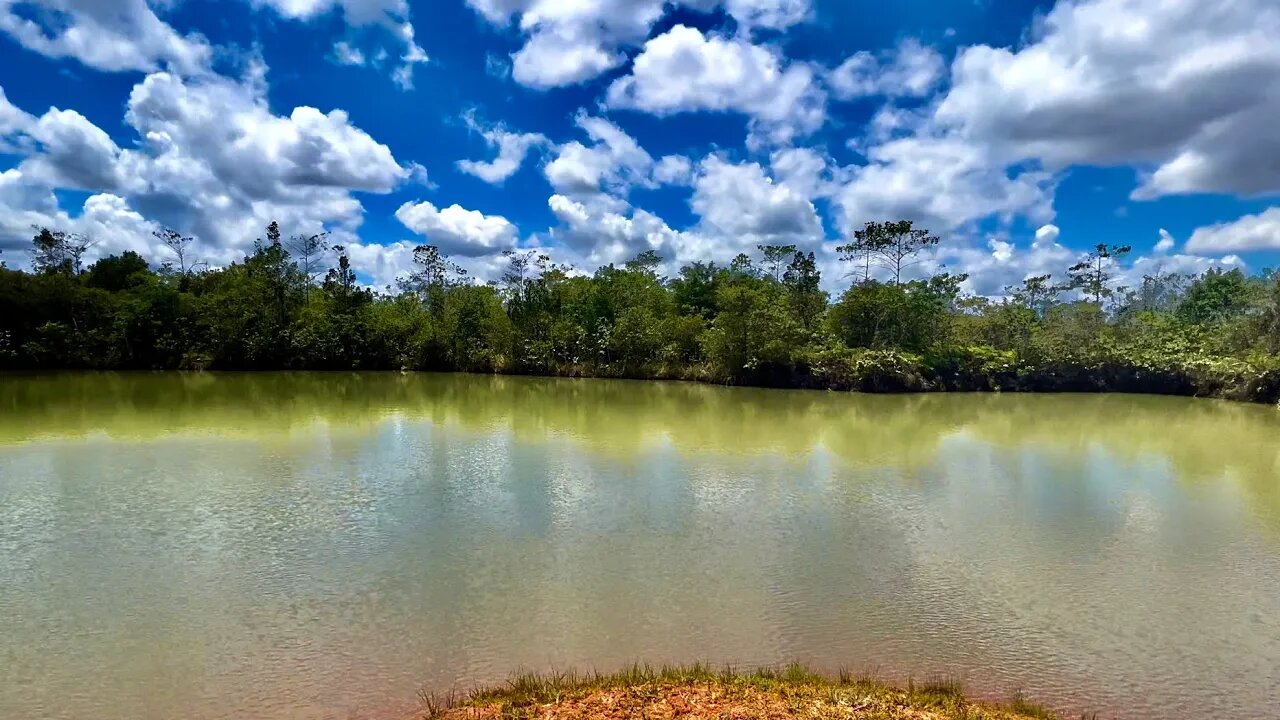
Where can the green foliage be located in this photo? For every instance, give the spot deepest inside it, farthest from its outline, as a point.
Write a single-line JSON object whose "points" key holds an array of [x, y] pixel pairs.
{"points": [[1217, 296], [761, 321], [911, 316], [1093, 275]]}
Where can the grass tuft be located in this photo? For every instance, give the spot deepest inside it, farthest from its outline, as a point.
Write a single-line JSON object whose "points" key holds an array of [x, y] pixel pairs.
{"points": [[702, 691]]}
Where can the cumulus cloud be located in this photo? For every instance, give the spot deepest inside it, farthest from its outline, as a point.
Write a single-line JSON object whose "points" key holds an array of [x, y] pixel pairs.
{"points": [[391, 14], [122, 35], [739, 206], [105, 220], [613, 162], [568, 43], [594, 234], [1187, 89], [212, 160], [512, 149], [112, 36], [684, 70], [458, 231], [1002, 261], [741, 203], [1249, 233], [943, 182], [910, 70], [14, 122], [673, 170]]}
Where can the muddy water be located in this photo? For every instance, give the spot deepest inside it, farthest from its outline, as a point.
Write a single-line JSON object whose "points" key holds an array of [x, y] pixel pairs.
{"points": [[289, 546]]}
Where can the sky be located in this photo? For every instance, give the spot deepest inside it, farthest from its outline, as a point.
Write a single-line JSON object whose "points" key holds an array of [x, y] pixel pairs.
{"points": [[1021, 132]]}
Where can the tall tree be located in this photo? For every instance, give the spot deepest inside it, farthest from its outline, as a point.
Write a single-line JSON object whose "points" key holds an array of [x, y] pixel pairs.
{"points": [[775, 259], [310, 250], [803, 282], [1037, 293], [864, 246], [433, 272], [522, 266], [900, 245], [646, 263], [55, 251], [178, 244], [1093, 275], [341, 280]]}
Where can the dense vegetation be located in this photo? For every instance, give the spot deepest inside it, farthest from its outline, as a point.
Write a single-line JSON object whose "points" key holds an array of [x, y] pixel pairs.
{"points": [[296, 304]]}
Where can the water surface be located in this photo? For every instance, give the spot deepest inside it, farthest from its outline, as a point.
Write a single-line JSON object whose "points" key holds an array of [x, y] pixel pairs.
{"points": [[290, 546]]}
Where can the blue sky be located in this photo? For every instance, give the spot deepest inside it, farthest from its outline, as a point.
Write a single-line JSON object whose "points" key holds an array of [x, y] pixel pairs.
{"points": [[1021, 132]]}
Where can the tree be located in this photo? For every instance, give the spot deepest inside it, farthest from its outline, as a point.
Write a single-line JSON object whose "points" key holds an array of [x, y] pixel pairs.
{"points": [[1216, 296], [57, 252], [694, 289], [178, 244], [646, 263], [1036, 293], [803, 282], [310, 250], [118, 272], [893, 246], [909, 316], [901, 245], [341, 280], [866, 243], [775, 259], [1093, 275], [434, 272], [743, 266], [1159, 292], [522, 268]]}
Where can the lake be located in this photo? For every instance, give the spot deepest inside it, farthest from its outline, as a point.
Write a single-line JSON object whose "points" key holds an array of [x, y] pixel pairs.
{"points": [[290, 546]]}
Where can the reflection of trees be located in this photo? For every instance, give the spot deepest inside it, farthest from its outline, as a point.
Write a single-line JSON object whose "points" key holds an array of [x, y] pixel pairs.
{"points": [[1201, 440]]}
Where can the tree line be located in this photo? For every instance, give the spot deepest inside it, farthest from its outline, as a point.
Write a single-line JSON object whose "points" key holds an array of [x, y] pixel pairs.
{"points": [[296, 303]]}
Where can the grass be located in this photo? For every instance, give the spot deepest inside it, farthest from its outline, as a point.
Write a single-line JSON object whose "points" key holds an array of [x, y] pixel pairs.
{"points": [[700, 692]]}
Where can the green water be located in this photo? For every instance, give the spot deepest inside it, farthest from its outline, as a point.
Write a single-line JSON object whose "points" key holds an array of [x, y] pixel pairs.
{"points": [[289, 546]]}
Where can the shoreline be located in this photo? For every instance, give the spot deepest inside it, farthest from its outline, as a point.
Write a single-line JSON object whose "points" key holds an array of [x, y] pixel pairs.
{"points": [[701, 692], [876, 373]]}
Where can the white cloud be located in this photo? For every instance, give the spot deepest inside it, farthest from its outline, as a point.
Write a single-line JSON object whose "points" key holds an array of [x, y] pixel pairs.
{"points": [[1249, 233], [344, 53], [571, 42], [673, 170], [106, 220], [943, 182], [614, 162], [683, 70], [595, 234], [211, 160], [911, 70], [112, 36], [1186, 88], [14, 122], [512, 149], [391, 14], [382, 264], [458, 231], [75, 153], [806, 170], [743, 205], [1002, 262], [1166, 242]]}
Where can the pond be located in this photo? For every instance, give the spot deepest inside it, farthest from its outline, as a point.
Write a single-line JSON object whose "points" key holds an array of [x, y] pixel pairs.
{"points": [[289, 546]]}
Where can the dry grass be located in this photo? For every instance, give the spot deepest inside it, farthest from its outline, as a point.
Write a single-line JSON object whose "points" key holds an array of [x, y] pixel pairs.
{"points": [[701, 693]]}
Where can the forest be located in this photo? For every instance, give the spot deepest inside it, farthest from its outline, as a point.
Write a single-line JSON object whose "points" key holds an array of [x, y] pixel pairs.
{"points": [[296, 304]]}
